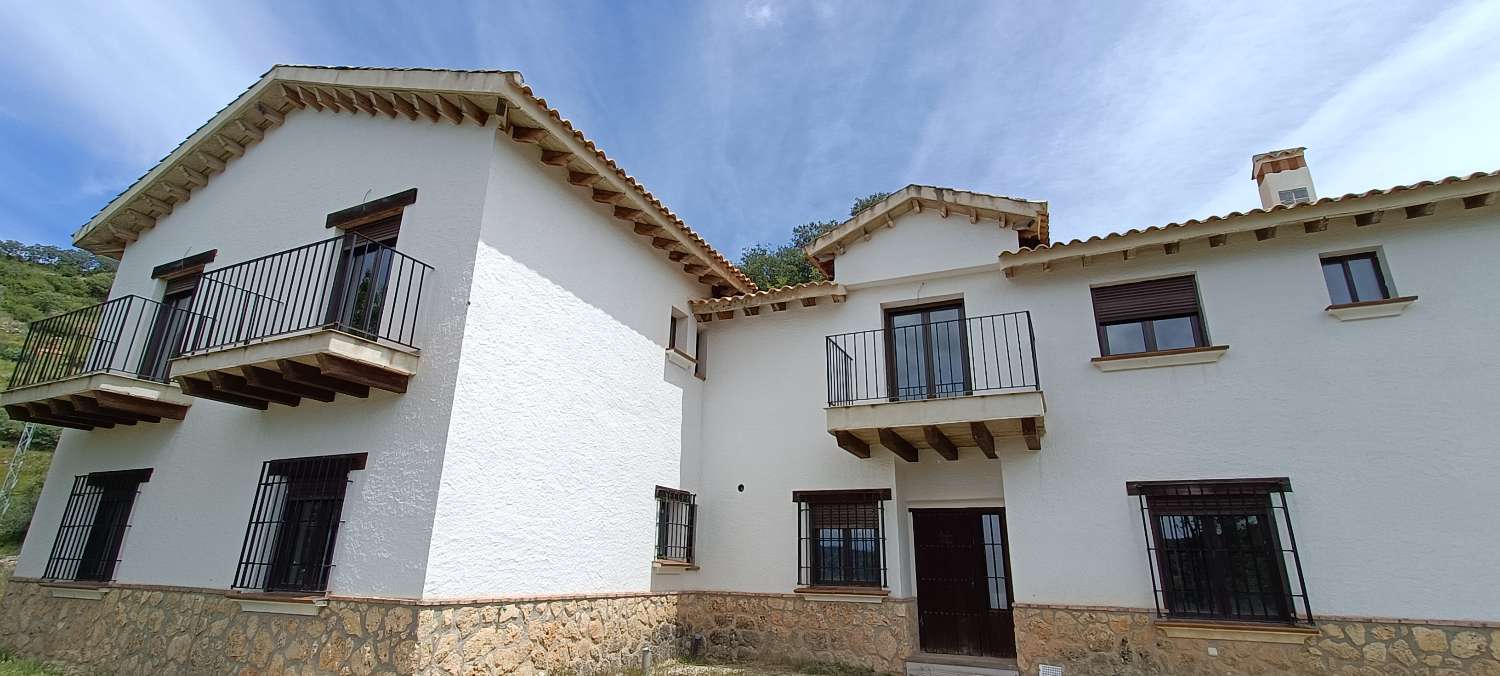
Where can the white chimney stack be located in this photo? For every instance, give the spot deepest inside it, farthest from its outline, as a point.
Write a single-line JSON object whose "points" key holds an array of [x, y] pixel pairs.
{"points": [[1283, 177]]}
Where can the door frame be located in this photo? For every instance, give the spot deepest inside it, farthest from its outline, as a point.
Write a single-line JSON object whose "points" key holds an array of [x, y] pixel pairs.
{"points": [[911, 541], [928, 372]]}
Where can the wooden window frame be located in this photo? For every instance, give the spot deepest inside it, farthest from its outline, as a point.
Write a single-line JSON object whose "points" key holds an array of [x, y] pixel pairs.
{"points": [[1342, 260], [1147, 319], [929, 370]]}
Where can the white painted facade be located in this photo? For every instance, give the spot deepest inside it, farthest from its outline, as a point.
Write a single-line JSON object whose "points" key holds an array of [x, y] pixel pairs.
{"points": [[546, 405]]}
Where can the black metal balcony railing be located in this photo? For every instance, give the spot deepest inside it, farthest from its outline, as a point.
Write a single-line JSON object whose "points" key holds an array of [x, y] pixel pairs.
{"points": [[933, 360], [129, 336], [349, 283]]}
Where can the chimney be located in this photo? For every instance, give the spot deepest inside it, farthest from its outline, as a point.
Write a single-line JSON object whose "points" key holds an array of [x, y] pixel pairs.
{"points": [[1283, 178]]}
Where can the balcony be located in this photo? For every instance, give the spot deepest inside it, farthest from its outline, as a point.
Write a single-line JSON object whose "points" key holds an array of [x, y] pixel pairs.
{"points": [[99, 366], [332, 317], [936, 386]]}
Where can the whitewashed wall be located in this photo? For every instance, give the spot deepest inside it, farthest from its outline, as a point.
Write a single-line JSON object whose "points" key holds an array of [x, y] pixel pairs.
{"points": [[568, 412], [1385, 426], [923, 244], [189, 520]]}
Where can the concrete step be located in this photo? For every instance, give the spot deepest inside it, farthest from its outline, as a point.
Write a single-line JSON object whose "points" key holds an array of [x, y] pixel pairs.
{"points": [[931, 664]]}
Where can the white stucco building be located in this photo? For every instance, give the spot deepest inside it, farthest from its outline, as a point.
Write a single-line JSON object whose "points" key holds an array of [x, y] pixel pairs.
{"points": [[402, 374]]}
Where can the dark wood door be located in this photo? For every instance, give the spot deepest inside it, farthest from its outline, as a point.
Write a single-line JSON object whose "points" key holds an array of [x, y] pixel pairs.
{"points": [[963, 582]]}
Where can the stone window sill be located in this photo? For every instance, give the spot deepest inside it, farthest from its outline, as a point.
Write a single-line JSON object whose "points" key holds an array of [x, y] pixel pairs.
{"points": [[681, 358], [1151, 360], [69, 590], [1238, 631], [1389, 307], [670, 567], [283, 604], [844, 594]]}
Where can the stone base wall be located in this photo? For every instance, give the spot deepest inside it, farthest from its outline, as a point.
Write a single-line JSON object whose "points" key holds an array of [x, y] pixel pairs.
{"points": [[1120, 642], [170, 631], [598, 635], [792, 628], [158, 630]]}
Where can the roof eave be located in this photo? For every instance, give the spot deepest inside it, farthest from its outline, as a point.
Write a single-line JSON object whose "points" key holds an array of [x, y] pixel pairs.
{"points": [[1007, 211]]}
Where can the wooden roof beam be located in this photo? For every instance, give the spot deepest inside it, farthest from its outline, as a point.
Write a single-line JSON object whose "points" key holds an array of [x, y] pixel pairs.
{"points": [[193, 178], [403, 105], [984, 439], [895, 444], [1482, 200], [556, 158], [528, 134], [940, 442], [383, 104], [855, 445], [583, 178], [606, 196], [1420, 210], [309, 96], [426, 108], [210, 162], [232, 146], [250, 130], [628, 213], [473, 110], [275, 116], [449, 109]]}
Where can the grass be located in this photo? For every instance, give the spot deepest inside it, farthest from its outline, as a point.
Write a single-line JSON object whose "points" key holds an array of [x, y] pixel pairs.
{"points": [[11, 666]]}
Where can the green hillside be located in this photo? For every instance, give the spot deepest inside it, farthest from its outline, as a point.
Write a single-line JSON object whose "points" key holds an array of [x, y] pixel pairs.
{"points": [[37, 281]]}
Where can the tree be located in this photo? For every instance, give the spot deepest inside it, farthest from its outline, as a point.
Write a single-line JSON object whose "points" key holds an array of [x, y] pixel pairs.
{"points": [[787, 264]]}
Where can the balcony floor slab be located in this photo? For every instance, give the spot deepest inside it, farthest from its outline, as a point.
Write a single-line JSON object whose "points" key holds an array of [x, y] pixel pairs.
{"points": [[907, 428], [317, 364], [96, 400]]}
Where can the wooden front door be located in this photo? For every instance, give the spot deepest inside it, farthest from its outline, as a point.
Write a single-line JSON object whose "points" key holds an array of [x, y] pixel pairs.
{"points": [[963, 582]]}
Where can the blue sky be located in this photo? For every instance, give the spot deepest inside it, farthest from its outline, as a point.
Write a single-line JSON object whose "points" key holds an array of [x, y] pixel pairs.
{"points": [[748, 117]]}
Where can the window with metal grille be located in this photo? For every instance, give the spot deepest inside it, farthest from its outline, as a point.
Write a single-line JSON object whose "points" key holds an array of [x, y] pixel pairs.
{"points": [[93, 526], [1149, 316], [1293, 196], [294, 522], [840, 537], [676, 518], [1223, 549], [1354, 278]]}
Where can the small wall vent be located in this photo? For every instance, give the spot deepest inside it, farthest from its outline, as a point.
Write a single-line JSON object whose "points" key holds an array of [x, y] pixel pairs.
{"points": [[1048, 670]]}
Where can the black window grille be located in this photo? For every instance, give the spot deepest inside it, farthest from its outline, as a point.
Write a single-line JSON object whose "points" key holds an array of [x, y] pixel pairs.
{"points": [[676, 519], [93, 526], [1223, 550], [840, 538], [294, 523]]}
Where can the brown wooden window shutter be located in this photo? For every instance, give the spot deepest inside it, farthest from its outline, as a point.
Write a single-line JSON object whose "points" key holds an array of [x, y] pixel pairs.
{"points": [[1146, 300], [182, 284], [384, 231]]}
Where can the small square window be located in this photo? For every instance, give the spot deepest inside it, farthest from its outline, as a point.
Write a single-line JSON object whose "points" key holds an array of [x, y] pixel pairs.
{"points": [[1355, 278], [1293, 196]]}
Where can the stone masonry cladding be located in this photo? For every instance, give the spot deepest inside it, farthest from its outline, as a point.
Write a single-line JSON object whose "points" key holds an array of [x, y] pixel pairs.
{"points": [[1088, 642], [193, 631]]}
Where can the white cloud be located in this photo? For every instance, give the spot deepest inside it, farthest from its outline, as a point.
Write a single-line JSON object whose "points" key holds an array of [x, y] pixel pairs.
{"points": [[761, 14]]}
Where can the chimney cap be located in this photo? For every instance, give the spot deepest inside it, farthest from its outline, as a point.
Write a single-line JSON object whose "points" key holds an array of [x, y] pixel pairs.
{"points": [[1262, 158]]}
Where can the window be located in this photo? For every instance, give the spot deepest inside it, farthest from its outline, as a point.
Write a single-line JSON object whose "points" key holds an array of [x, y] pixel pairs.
{"points": [[294, 523], [1355, 278], [840, 538], [1150, 316], [676, 517], [1223, 549], [927, 348], [698, 354], [1293, 196], [93, 526], [677, 331]]}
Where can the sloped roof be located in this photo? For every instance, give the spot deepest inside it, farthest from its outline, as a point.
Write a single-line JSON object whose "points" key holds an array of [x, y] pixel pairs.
{"points": [[455, 96], [1476, 190], [1027, 216]]}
